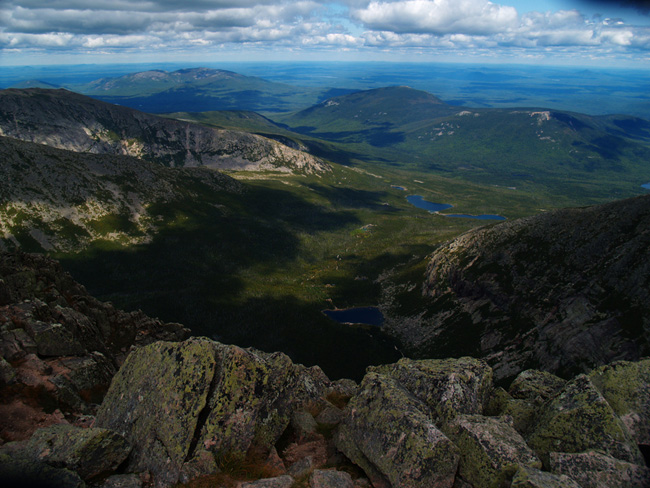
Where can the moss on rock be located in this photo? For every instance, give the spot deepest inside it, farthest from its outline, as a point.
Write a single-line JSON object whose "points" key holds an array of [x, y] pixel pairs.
{"points": [[490, 448], [626, 387], [579, 419], [389, 434]]}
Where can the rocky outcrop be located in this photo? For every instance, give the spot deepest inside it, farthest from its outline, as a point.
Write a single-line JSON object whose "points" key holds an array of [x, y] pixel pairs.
{"points": [[59, 346], [562, 291], [59, 200], [67, 120]]}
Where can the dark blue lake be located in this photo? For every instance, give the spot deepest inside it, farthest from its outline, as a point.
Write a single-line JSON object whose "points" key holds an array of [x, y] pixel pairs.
{"points": [[358, 315], [646, 186], [420, 202], [398, 187]]}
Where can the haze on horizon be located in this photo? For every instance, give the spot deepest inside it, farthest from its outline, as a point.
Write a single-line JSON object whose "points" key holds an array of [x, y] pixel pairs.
{"points": [[574, 32]]}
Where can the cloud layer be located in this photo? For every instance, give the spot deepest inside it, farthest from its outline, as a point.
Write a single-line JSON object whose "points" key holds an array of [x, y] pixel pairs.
{"points": [[115, 26]]}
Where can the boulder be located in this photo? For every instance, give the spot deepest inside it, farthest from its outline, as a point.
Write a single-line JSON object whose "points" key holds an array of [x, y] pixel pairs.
{"points": [[90, 453], [201, 464], [20, 469], [626, 387], [579, 419], [489, 449], [203, 395], [284, 481], [122, 481], [447, 386], [527, 477], [535, 386], [330, 478], [597, 470], [389, 434], [155, 400]]}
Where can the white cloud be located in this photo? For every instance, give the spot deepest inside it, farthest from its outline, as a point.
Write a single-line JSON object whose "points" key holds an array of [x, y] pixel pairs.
{"points": [[422, 25]]}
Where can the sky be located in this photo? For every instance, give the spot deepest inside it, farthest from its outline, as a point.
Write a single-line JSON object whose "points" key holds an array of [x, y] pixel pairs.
{"points": [[608, 33]]}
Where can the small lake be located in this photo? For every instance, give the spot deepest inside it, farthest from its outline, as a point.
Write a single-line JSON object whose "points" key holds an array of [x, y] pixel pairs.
{"points": [[420, 202], [402, 188], [358, 315], [646, 186]]}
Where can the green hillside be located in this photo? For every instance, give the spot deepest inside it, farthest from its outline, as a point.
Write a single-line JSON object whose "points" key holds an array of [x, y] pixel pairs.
{"points": [[584, 158]]}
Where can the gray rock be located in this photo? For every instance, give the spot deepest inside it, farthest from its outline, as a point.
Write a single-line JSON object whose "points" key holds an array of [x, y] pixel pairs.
{"points": [[303, 424], [122, 481], [201, 464], [579, 419], [330, 416], [626, 387], [390, 435], [597, 470], [330, 478], [91, 453], [527, 477], [535, 386], [20, 469], [284, 481], [302, 467], [155, 401], [447, 386], [489, 448]]}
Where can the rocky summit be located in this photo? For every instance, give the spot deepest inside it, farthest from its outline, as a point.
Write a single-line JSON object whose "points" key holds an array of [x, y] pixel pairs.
{"points": [[563, 291], [197, 412]]}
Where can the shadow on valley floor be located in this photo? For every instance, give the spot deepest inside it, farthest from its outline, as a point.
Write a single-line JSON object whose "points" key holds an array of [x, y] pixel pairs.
{"points": [[193, 273]]}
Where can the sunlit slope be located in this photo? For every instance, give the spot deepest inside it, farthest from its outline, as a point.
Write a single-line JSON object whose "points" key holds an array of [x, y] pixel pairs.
{"points": [[589, 157]]}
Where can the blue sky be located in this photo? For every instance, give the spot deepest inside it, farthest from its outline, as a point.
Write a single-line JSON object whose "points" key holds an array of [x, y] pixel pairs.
{"points": [[576, 32]]}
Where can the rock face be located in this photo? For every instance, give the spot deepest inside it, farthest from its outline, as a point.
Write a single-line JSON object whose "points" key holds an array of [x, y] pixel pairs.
{"points": [[563, 291], [60, 347], [203, 395], [67, 120], [63, 200]]}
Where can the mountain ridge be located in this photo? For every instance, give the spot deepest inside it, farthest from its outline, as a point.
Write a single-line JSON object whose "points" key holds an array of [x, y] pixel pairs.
{"points": [[68, 120]]}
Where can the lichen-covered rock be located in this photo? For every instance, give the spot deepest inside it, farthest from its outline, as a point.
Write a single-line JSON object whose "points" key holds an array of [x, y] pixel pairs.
{"points": [[155, 401], [626, 387], [330, 478], [172, 400], [389, 434], [489, 448], [329, 416], [201, 464], [535, 386], [254, 396], [527, 477], [597, 470], [303, 424], [579, 419], [88, 452], [122, 481], [18, 468], [447, 386], [284, 481]]}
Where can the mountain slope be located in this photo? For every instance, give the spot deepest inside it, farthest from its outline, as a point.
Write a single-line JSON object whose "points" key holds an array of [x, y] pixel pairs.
{"points": [[201, 89], [558, 152], [57, 200], [561, 291], [71, 121]]}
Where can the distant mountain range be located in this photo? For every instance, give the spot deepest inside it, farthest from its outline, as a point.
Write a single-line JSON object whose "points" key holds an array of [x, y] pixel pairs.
{"points": [[67, 120], [201, 89], [564, 152]]}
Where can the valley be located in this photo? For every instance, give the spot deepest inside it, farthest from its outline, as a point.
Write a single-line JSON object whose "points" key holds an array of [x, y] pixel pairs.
{"points": [[310, 211]]}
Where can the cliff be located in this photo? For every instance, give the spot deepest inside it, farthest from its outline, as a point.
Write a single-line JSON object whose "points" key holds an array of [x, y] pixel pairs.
{"points": [[563, 291], [197, 411], [67, 120]]}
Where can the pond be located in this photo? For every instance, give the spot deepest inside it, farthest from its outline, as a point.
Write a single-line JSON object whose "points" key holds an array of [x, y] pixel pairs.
{"points": [[398, 187], [357, 315], [646, 186], [419, 202]]}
